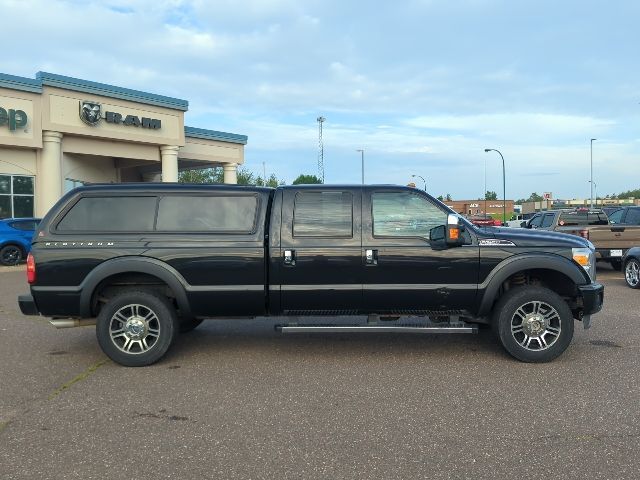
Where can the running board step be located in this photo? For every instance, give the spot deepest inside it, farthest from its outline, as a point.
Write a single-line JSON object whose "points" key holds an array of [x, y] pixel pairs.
{"points": [[375, 328]]}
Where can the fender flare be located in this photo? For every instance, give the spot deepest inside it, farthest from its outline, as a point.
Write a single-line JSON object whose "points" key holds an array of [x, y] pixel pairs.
{"points": [[517, 263], [150, 266]]}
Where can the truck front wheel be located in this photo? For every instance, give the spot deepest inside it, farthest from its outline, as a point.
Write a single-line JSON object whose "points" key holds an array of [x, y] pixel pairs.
{"points": [[534, 324], [136, 328]]}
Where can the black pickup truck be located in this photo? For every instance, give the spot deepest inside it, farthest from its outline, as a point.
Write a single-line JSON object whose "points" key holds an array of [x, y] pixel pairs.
{"points": [[146, 261]]}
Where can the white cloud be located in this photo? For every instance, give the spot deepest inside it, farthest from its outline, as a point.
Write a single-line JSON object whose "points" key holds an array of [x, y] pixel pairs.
{"points": [[422, 85]]}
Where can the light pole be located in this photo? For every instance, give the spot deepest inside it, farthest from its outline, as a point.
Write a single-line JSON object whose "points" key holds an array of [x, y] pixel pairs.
{"points": [[504, 185], [264, 175], [595, 189], [361, 150], [423, 180], [485, 187], [591, 181]]}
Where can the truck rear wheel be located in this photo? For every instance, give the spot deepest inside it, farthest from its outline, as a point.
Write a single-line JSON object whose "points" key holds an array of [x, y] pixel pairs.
{"points": [[136, 328], [534, 324]]}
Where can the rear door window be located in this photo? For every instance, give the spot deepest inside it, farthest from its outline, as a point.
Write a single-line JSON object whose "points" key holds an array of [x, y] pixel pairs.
{"points": [[547, 221], [616, 217], [216, 214], [323, 214], [110, 214], [582, 218], [633, 216], [25, 225]]}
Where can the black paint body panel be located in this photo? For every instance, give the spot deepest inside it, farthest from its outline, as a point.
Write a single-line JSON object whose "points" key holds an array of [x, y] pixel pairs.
{"points": [[222, 275]]}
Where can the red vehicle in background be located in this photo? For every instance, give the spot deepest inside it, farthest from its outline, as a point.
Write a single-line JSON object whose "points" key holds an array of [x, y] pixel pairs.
{"points": [[484, 220]]}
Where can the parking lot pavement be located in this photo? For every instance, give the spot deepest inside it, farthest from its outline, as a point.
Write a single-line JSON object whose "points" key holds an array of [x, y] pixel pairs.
{"points": [[234, 399]]}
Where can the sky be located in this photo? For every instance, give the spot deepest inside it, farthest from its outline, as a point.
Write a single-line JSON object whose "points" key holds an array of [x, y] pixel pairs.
{"points": [[423, 86]]}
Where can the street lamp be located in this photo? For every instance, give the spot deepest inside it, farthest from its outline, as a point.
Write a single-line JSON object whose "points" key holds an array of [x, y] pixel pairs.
{"points": [[423, 180], [361, 150], [591, 181], [595, 188], [504, 185]]}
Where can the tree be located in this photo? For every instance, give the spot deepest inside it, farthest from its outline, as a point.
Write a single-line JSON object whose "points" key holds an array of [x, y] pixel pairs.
{"points": [[449, 198], [216, 175], [490, 195], [440, 197], [534, 197], [246, 177], [201, 175], [628, 194], [306, 180], [272, 181]]}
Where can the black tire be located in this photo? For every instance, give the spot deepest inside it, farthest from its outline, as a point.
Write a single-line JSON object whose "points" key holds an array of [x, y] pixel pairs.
{"points": [[188, 325], [11, 255], [632, 273], [150, 328], [534, 324], [616, 265]]}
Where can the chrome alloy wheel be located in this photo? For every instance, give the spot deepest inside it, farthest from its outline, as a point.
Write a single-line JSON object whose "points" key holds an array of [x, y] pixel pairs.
{"points": [[536, 326], [632, 273], [134, 329]]}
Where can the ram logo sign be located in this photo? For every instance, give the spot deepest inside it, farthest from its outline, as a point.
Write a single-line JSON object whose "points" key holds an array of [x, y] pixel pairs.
{"points": [[91, 114]]}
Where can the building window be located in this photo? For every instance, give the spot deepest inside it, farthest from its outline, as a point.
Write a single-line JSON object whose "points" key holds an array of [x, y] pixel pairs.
{"points": [[16, 196]]}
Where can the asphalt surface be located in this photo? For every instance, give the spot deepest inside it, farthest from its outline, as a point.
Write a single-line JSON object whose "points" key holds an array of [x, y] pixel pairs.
{"points": [[234, 399]]}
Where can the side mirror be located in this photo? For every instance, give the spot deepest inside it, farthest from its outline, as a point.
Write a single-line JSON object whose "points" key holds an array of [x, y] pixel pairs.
{"points": [[523, 224], [449, 235]]}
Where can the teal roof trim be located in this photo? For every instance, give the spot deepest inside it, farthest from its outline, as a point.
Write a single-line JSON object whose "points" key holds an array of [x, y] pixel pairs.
{"points": [[20, 83], [214, 135], [86, 86]]}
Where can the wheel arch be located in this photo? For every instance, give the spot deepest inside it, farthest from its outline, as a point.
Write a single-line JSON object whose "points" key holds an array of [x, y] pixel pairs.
{"points": [[556, 266], [133, 265]]}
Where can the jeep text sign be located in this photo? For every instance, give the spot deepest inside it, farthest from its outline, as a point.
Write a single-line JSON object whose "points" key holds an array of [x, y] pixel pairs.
{"points": [[13, 118]]}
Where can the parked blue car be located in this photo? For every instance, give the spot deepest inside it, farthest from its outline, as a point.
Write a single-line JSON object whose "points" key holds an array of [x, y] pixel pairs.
{"points": [[15, 239]]}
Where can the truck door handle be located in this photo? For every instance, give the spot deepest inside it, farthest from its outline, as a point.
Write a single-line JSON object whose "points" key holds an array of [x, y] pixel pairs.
{"points": [[371, 257], [289, 257]]}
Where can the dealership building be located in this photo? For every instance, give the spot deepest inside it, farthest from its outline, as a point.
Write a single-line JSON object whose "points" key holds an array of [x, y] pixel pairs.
{"points": [[479, 207], [58, 132]]}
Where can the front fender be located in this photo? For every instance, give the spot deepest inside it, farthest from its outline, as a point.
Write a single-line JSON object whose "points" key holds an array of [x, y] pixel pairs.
{"points": [[150, 266], [518, 263]]}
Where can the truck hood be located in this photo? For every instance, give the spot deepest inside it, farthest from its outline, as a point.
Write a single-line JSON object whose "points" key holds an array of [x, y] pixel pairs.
{"points": [[536, 238]]}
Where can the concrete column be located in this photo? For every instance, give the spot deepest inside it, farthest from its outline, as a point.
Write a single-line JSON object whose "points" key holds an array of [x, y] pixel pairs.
{"points": [[169, 156], [49, 178], [230, 173]]}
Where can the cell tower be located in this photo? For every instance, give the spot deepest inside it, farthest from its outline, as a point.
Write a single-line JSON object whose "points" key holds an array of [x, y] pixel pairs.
{"points": [[320, 150]]}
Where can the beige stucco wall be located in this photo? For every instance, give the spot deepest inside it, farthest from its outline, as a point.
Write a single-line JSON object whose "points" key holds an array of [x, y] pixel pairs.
{"points": [[31, 135], [89, 168], [211, 151], [17, 161], [109, 148], [60, 112]]}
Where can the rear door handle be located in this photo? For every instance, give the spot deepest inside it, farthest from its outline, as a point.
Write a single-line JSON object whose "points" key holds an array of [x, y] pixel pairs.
{"points": [[289, 257], [371, 257]]}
